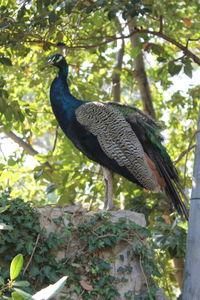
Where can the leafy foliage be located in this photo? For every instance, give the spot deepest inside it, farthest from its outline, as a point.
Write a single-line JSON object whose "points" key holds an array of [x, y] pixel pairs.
{"points": [[16, 287], [88, 33], [93, 236], [170, 237], [22, 237]]}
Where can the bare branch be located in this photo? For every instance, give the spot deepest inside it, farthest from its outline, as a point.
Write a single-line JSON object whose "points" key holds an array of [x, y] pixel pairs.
{"points": [[55, 140], [31, 257], [27, 147], [193, 40], [185, 50], [183, 153]]}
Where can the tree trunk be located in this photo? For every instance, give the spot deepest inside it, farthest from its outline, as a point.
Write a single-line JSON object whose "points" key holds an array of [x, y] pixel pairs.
{"points": [[192, 266], [141, 75], [147, 102], [116, 85]]}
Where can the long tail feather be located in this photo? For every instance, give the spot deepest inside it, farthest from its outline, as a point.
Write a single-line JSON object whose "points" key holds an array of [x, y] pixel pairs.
{"points": [[173, 190]]}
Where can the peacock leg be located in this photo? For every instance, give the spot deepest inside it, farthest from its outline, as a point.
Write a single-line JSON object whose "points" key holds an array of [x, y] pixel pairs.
{"points": [[108, 187]]}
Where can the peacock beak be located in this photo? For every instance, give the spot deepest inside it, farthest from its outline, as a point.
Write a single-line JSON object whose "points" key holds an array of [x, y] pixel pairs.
{"points": [[50, 62]]}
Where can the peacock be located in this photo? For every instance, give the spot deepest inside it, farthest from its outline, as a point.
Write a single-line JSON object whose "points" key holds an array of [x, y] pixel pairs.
{"points": [[119, 137]]}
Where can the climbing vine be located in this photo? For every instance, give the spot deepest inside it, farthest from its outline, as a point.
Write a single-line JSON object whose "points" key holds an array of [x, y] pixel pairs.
{"points": [[22, 234], [88, 272]]}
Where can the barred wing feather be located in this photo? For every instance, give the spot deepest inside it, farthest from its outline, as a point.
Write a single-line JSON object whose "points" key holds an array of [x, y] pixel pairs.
{"points": [[117, 139]]}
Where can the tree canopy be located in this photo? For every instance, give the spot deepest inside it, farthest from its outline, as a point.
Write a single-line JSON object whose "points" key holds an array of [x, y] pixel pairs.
{"points": [[91, 34]]}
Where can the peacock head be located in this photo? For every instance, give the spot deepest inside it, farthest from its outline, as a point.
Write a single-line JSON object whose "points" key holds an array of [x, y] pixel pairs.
{"points": [[57, 60]]}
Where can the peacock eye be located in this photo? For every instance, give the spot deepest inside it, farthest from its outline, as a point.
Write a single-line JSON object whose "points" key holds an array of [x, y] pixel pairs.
{"points": [[57, 59]]}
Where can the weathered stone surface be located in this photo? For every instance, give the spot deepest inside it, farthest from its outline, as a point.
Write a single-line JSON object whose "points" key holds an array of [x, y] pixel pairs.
{"points": [[136, 279]]}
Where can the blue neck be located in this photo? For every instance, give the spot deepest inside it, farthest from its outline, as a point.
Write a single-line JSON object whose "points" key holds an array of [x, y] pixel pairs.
{"points": [[62, 101], [63, 71]]}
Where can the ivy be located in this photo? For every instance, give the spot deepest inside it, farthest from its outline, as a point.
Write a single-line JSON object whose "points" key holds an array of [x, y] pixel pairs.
{"points": [[26, 237], [21, 236]]}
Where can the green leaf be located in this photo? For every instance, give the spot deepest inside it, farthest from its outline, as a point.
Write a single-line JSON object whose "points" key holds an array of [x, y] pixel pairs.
{"points": [[8, 113], [157, 49], [1, 280], [173, 69], [161, 59], [11, 162], [34, 271], [16, 266], [188, 69], [4, 208], [50, 188], [17, 296], [29, 246], [129, 294], [38, 174], [5, 61], [21, 283], [23, 294], [3, 104]]}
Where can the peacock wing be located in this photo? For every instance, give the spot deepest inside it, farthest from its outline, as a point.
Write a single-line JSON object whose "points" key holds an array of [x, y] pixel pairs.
{"points": [[117, 139], [145, 127]]}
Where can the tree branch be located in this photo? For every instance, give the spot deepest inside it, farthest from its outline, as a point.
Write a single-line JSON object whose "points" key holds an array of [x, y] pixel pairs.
{"points": [[27, 147], [55, 140], [183, 153], [110, 39]]}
